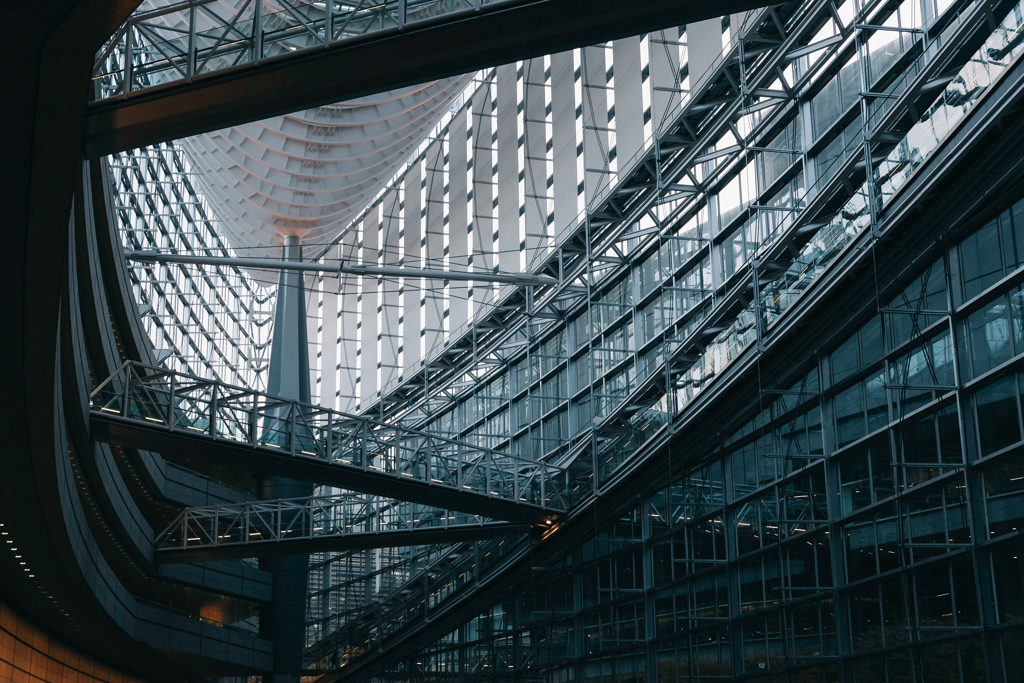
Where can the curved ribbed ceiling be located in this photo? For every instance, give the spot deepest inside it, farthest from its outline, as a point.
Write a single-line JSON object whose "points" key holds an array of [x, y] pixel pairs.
{"points": [[311, 172]]}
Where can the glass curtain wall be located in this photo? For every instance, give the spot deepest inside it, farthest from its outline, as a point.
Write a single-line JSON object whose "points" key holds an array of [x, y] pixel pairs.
{"points": [[854, 524], [867, 518]]}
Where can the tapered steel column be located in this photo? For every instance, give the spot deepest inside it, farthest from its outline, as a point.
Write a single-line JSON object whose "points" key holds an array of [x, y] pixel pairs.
{"points": [[283, 622]]}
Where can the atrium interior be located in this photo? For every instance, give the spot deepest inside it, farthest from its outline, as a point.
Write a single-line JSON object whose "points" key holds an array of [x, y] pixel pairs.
{"points": [[514, 341]]}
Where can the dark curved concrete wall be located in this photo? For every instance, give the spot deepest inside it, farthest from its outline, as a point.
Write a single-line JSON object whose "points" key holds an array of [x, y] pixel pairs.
{"points": [[79, 518], [30, 655]]}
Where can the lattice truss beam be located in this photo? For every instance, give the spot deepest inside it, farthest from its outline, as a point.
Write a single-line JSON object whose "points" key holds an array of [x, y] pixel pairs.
{"points": [[145, 406], [317, 524], [192, 38], [719, 129], [655, 194], [171, 59]]}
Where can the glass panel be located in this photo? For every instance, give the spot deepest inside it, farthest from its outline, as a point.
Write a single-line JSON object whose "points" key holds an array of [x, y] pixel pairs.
{"points": [[997, 415], [865, 476], [979, 265], [1004, 496], [991, 342]]}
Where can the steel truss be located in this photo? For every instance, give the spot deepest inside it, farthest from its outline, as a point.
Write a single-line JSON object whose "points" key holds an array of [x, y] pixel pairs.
{"points": [[742, 312], [778, 271], [177, 414], [185, 40], [252, 59], [316, 524], [604, 244], [631, 216]]}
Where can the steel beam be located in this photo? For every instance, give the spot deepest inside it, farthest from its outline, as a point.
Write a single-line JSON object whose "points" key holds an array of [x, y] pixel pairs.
{"points": [[235, 462], [341, 267], [323, 544], [355, 67]]}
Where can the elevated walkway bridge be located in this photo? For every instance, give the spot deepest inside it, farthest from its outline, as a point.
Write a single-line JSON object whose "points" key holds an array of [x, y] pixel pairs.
{"points": [[350, 521], [230, 432]]}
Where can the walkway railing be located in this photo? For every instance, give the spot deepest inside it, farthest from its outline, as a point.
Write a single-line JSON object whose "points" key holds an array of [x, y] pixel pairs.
{"points": [[339, 522], [156, 400]]}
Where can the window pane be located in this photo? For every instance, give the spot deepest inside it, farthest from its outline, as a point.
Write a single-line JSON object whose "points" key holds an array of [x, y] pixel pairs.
{"points": [[989, 334], [979, 260], [997, 415]]}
